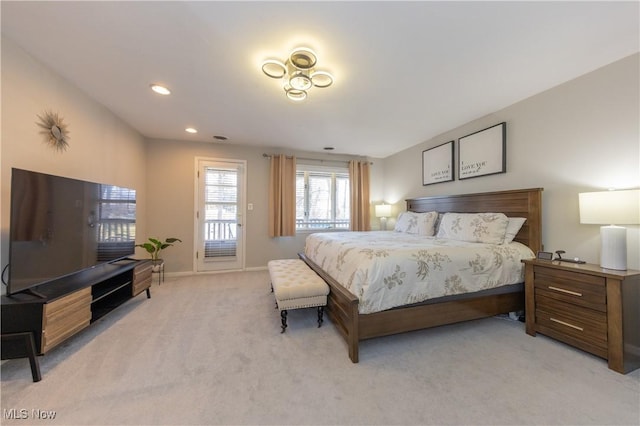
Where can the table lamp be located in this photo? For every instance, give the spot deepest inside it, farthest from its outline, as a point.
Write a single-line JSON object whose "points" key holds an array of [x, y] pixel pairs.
{"points": [[609, 208], [383, 211]]}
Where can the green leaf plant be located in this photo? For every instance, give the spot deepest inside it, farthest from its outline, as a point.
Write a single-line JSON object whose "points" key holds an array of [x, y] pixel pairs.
{"points": [[155, 246]]}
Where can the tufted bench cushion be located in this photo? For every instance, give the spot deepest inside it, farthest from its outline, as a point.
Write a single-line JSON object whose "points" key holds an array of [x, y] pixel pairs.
{"points": [[296, 286]]}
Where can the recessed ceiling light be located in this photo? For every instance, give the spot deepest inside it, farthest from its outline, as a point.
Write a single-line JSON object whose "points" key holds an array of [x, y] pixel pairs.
{"points": [[220, 138], [190, 130], [160, 89]]}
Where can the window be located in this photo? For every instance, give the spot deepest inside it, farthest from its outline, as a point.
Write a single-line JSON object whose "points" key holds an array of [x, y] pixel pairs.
{"points": [[322, 198], [116, 222]]}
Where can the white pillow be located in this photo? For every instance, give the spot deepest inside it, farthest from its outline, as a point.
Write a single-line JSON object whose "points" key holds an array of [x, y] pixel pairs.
{"points": [[474, 227], [404, 222], [416, 223], [513, 227], [427, 223]]}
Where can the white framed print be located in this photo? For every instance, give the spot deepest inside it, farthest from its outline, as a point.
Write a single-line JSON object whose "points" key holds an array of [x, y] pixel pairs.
{"points": [[483, 153], [437, 164]]}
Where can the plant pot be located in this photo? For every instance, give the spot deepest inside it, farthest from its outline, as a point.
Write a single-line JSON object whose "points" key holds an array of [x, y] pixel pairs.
{"points": [[158, 265]]}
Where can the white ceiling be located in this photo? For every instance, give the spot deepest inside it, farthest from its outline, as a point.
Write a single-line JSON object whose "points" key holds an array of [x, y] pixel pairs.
{"points": [[404, 71]]}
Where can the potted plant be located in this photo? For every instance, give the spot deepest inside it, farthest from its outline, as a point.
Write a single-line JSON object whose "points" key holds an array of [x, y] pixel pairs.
{"points": [[154, 246]]}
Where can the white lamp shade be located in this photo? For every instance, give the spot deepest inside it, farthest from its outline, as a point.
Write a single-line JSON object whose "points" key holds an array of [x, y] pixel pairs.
{"points": [[610, 207], [383, 210]]}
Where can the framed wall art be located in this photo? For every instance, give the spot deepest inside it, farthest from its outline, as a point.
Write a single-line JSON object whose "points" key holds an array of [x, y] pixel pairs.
{"points": [[437, 164], [483, 153]]}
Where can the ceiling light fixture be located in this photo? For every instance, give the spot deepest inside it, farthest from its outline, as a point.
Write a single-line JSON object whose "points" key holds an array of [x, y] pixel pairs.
{"points": [[191, 130], [298, 73], [159, 89]]}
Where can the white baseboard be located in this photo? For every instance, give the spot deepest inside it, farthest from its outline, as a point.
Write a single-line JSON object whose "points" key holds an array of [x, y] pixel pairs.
{"points": [[193, 273]]}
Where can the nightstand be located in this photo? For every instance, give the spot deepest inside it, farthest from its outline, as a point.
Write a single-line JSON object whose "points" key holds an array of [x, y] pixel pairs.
{"points": [[586, 306]]}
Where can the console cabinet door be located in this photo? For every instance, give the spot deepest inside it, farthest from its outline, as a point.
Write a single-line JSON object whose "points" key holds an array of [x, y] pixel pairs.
{"points": [[142, 274], [64, 317]]}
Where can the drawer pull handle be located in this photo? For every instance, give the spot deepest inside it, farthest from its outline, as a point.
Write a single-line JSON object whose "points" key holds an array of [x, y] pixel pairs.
{"points": [[562, 290], [567, 324]]}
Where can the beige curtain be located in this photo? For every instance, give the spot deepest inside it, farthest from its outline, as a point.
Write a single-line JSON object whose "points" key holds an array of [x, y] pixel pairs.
{"points": [[282, 196], [359, 181]]}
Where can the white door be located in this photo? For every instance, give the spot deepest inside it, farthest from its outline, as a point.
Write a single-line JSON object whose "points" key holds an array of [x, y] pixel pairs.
{"points": [[219, 215]]}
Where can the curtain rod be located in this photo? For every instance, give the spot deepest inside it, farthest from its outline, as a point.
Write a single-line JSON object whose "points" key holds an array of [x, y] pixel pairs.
{"points": [[313, 159]]}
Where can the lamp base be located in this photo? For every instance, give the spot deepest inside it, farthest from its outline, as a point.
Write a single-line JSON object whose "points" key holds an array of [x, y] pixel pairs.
{"points": [[613, 252]]}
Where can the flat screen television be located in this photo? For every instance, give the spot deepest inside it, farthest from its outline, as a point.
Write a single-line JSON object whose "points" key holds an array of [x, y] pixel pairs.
{"points": [[60, 226]]}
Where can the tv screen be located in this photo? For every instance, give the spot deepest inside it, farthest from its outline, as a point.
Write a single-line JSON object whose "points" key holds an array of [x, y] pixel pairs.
{"points": [[60, 226]]}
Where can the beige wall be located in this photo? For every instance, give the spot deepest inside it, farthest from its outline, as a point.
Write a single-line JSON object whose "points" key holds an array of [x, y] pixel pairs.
{"points": [[580, 136], [101, 147], [104, 149], [170, 203]]}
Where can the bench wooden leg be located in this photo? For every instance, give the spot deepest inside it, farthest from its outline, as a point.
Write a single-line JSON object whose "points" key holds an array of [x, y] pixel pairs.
{"points": [[320, 315], [283, 316]]}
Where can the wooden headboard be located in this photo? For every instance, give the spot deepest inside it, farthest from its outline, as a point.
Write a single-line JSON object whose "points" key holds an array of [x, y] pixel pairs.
{"points": [[525, 203]]}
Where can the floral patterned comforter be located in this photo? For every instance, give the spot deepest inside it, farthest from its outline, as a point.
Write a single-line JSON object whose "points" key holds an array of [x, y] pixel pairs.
{"points": [[389, 269]]}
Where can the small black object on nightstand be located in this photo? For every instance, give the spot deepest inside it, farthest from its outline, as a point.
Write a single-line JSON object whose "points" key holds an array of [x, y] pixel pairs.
{"points": [[574, 260]]}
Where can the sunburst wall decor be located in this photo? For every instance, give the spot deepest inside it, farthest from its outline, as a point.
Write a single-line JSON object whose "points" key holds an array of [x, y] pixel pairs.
{"points": [[54, 130]]}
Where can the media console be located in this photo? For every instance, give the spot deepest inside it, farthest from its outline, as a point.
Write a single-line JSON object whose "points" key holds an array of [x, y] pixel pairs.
{"points": [[59, 309]]}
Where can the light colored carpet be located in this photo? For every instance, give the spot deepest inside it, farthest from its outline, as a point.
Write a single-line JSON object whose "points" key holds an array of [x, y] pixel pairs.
{"points": [[208, 350]]}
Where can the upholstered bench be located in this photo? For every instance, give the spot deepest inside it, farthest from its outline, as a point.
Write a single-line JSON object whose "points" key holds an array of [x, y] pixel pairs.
{"points": [[296, 286]]}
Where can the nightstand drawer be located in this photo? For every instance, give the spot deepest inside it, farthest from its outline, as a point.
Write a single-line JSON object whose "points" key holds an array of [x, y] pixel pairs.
{"points": [[580, 289], [583, 324]]}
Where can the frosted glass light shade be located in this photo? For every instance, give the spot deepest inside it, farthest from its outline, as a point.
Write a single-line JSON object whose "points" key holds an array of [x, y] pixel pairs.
{"points": [[383, 210], [300, 81], [298, 73], [610, 207], [321, 79]]}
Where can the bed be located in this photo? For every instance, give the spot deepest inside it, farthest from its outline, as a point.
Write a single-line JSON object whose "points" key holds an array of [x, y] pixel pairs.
{"points": [[356, 323]]}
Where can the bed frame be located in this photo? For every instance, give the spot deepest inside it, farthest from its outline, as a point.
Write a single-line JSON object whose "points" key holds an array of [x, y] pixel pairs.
{"points": [[342, 306]]}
